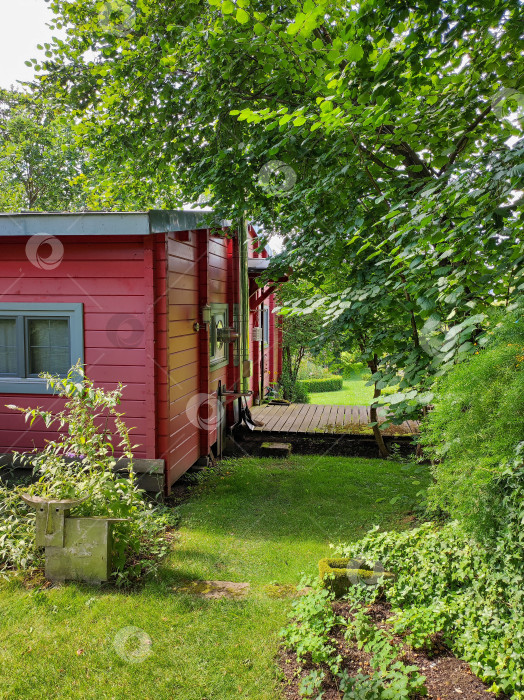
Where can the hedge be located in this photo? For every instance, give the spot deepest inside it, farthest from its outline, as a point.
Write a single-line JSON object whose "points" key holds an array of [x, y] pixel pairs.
{"points": [[332, 383]]}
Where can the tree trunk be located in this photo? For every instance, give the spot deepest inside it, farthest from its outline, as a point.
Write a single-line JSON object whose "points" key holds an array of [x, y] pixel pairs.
{"points": [[373, 412]]}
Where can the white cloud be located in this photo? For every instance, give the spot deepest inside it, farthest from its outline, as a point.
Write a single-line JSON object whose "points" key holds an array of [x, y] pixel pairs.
{"points": [[22, 27]]}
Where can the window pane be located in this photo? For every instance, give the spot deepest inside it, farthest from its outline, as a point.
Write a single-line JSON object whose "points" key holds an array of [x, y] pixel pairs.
{"points": [[266, 326], [48, 346], [8, 346], [218, 349]]}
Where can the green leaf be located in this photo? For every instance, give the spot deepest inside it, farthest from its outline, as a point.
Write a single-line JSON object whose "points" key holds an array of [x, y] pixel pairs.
{"points": [[354, 52], [242, 16]]}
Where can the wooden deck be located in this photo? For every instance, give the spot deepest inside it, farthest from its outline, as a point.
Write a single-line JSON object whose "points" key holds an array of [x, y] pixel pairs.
{"points": [[309, 418]]}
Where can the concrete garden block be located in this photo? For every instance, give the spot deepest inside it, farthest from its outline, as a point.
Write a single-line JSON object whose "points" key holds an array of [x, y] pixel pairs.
{"points": [[76, 549], [275, 449], [86, 554]]}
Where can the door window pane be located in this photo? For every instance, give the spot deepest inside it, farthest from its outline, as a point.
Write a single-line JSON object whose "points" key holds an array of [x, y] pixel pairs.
{"points": [[266, 326], [8, 363], [218, 351], [48, 346]]}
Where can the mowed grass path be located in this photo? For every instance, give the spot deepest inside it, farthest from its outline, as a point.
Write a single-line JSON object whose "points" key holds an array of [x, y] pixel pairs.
{"points": [[354, 392], [258, 521]]}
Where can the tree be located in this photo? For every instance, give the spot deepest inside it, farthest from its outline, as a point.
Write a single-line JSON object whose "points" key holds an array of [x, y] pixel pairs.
{"points": [[40, 163], [45, 167], [299, 336], [387, 122]]}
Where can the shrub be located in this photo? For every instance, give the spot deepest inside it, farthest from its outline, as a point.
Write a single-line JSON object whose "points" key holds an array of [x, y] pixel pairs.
{"points": [[17, 532], [348, 366], [446, 584], [331, 383], [293, 391], [462, 581], [474, 429], [80, 463], [309, 369]]}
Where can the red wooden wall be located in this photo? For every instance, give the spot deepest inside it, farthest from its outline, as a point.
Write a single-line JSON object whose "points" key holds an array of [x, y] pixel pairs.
{"points": [[142, 297], [199, 270], [108, 276], [272, 351], [183, 352]]}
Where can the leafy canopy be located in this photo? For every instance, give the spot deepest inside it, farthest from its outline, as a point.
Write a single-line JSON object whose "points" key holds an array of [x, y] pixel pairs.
{"points": [[375, 136]]}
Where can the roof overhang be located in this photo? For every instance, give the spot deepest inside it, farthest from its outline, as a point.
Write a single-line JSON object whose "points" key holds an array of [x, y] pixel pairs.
{"points": [[105, 223], [257, 265]]}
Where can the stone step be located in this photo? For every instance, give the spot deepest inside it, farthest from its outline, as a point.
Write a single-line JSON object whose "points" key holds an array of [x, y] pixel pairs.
{"points": [[275, 449]]}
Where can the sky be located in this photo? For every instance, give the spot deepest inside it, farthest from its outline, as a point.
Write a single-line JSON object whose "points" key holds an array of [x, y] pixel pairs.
{"points": [[22, 27]]}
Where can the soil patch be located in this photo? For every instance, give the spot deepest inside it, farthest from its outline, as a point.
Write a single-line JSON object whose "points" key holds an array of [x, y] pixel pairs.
{"points": [[447, 678]]}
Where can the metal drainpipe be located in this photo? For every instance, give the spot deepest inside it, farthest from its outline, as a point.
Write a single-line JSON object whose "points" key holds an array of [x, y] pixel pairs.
{"points": [[244, 301]]}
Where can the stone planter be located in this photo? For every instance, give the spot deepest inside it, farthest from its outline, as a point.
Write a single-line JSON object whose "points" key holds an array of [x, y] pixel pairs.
{"points": [[76, 549], [338, 575]]}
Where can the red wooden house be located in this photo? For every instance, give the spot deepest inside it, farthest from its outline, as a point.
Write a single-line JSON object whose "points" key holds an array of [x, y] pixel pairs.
{"points": [[158, 301]]}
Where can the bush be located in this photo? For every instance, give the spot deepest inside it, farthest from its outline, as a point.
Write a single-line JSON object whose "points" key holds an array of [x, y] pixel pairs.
{"points": [[462, 581], [474, 429], [78, 464], [293, 391], [332, 383], [446, 584], [309, 369], [348, 366]]}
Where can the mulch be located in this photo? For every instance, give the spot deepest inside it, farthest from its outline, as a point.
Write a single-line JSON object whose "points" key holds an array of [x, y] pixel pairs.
{"points": [[447, 678]]}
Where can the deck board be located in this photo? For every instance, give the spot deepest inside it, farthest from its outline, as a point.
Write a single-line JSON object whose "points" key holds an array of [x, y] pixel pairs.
{"points": [[304, 417], [315, 421], [339, 421], [296, 417], [311, 418], [274, 418]]}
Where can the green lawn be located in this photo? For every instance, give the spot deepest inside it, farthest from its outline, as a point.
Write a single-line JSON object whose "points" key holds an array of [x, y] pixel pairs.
{"points": [[259, 521], [354, 393]]}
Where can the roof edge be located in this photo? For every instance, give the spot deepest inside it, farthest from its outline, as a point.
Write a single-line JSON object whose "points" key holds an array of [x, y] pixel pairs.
{"points": [[102, 223]]}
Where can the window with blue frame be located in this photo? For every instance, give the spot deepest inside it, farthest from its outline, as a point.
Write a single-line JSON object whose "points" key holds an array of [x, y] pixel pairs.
{"points": [[37, 338]]}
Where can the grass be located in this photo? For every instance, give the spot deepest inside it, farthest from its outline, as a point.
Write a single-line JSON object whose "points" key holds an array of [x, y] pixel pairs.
{"points": [[354, 393], [259, 521]]}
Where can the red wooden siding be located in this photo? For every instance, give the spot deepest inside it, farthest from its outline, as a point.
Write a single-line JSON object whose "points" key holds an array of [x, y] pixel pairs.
{"points": [[142, 297], [272, 351], [107, 276], [183, 447], [220, 267], [160, 387]]}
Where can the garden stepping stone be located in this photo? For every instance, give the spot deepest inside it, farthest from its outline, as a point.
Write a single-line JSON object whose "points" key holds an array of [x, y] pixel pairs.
{"points": [[287, 590], [213, 590], [275, 449]]}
